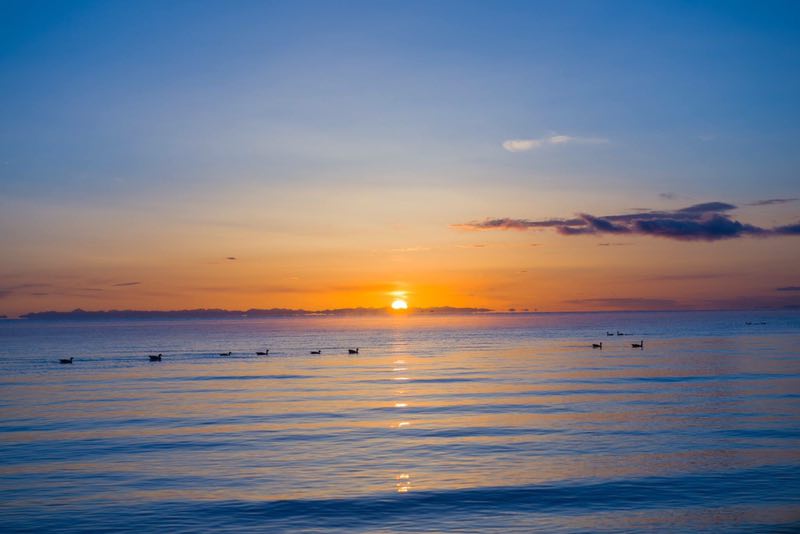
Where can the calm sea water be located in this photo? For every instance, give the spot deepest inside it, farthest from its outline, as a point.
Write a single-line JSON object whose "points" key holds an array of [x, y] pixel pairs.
{"points": [[449, 424]]}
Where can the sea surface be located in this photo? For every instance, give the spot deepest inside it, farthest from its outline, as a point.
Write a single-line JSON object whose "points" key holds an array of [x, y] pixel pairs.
{"points": [[506, 423]]}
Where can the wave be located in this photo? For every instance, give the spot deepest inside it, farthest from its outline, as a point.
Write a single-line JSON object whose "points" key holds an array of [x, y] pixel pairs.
{"points": [[776, 484]]}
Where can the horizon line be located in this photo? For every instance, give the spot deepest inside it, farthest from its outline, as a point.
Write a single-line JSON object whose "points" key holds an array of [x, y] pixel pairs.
{"points": [[260, 313]]}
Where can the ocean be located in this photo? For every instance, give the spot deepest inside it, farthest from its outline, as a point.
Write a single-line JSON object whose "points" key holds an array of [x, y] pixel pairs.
{"points": [[491, 423]]}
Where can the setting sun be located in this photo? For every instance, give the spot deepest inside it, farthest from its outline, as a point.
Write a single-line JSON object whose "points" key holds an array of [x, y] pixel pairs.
{"points": [[399, 304]]}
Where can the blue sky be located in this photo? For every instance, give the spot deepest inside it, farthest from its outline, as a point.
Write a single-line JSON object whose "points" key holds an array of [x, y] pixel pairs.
{"points": [[169, 106]]}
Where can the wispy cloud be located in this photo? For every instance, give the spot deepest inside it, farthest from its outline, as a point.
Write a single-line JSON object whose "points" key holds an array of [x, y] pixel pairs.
{"points": [[772, 201], [525, 145], [405, 250], [708, 221], [788, 288], [125, 284], [626, 303], [231, 258], [7, 291], [689, 277]]}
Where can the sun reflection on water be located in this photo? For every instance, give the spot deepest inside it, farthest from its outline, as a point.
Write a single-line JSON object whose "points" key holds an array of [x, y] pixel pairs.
{"points": [[403, 483]]}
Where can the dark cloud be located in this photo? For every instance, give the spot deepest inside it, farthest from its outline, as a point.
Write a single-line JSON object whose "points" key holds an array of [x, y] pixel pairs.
{"points": [[707, 207], [771, 201], [230, 258], [788, 288], [708, 221], [668, 196], [792, 229], [683, 277], [124, 284], [513, 224], [7, 291]]}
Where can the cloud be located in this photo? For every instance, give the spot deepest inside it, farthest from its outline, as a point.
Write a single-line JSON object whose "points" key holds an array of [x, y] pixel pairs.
{"points": [[525, 145], [792, 229], [521, 145], [626, 303], [511, 224], [708, 221], [409, 249], [7, 291], [690, 276], [124, 284], [771, 201], [231, 258], [788, 288]]}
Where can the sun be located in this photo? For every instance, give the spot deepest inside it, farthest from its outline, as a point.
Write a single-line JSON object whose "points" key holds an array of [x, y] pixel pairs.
{"points": [[399, 304]]}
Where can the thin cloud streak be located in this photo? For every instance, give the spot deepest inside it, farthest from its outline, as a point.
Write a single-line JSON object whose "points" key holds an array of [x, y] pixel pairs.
{"points": [[708, 221], [526, 145], [626, 303], [773, 201]]}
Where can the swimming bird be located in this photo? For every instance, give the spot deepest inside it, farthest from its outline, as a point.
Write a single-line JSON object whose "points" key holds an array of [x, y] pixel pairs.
{"points": [[65, 360], [609, 333], [225, 353], [639, 345], [155, 358], [262, 353], [316, 352], [353, 351], [597, 345], [620, 333]]}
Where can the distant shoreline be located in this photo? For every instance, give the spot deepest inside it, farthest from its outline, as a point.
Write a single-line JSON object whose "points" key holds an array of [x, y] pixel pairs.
{"points": [[202, 313]]}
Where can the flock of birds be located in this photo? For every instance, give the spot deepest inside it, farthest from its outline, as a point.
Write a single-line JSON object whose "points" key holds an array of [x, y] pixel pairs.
{"points": [[639, 345], [265, 352]]}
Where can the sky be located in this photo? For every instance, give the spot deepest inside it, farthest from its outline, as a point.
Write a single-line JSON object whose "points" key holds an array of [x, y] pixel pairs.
{"points": [[550, 156]]}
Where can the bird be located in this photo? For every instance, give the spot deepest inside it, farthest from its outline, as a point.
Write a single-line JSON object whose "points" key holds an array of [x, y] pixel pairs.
{"points": [[154, 358], [353, 351], [597, 345], [316, 352], [262, 353], [639, 345], [65, 360], [609, 333], [620, 333], [225, 353]]}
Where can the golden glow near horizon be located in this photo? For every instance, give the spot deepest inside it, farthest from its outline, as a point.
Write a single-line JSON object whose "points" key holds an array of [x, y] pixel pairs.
{"points": [[399, 304]]}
